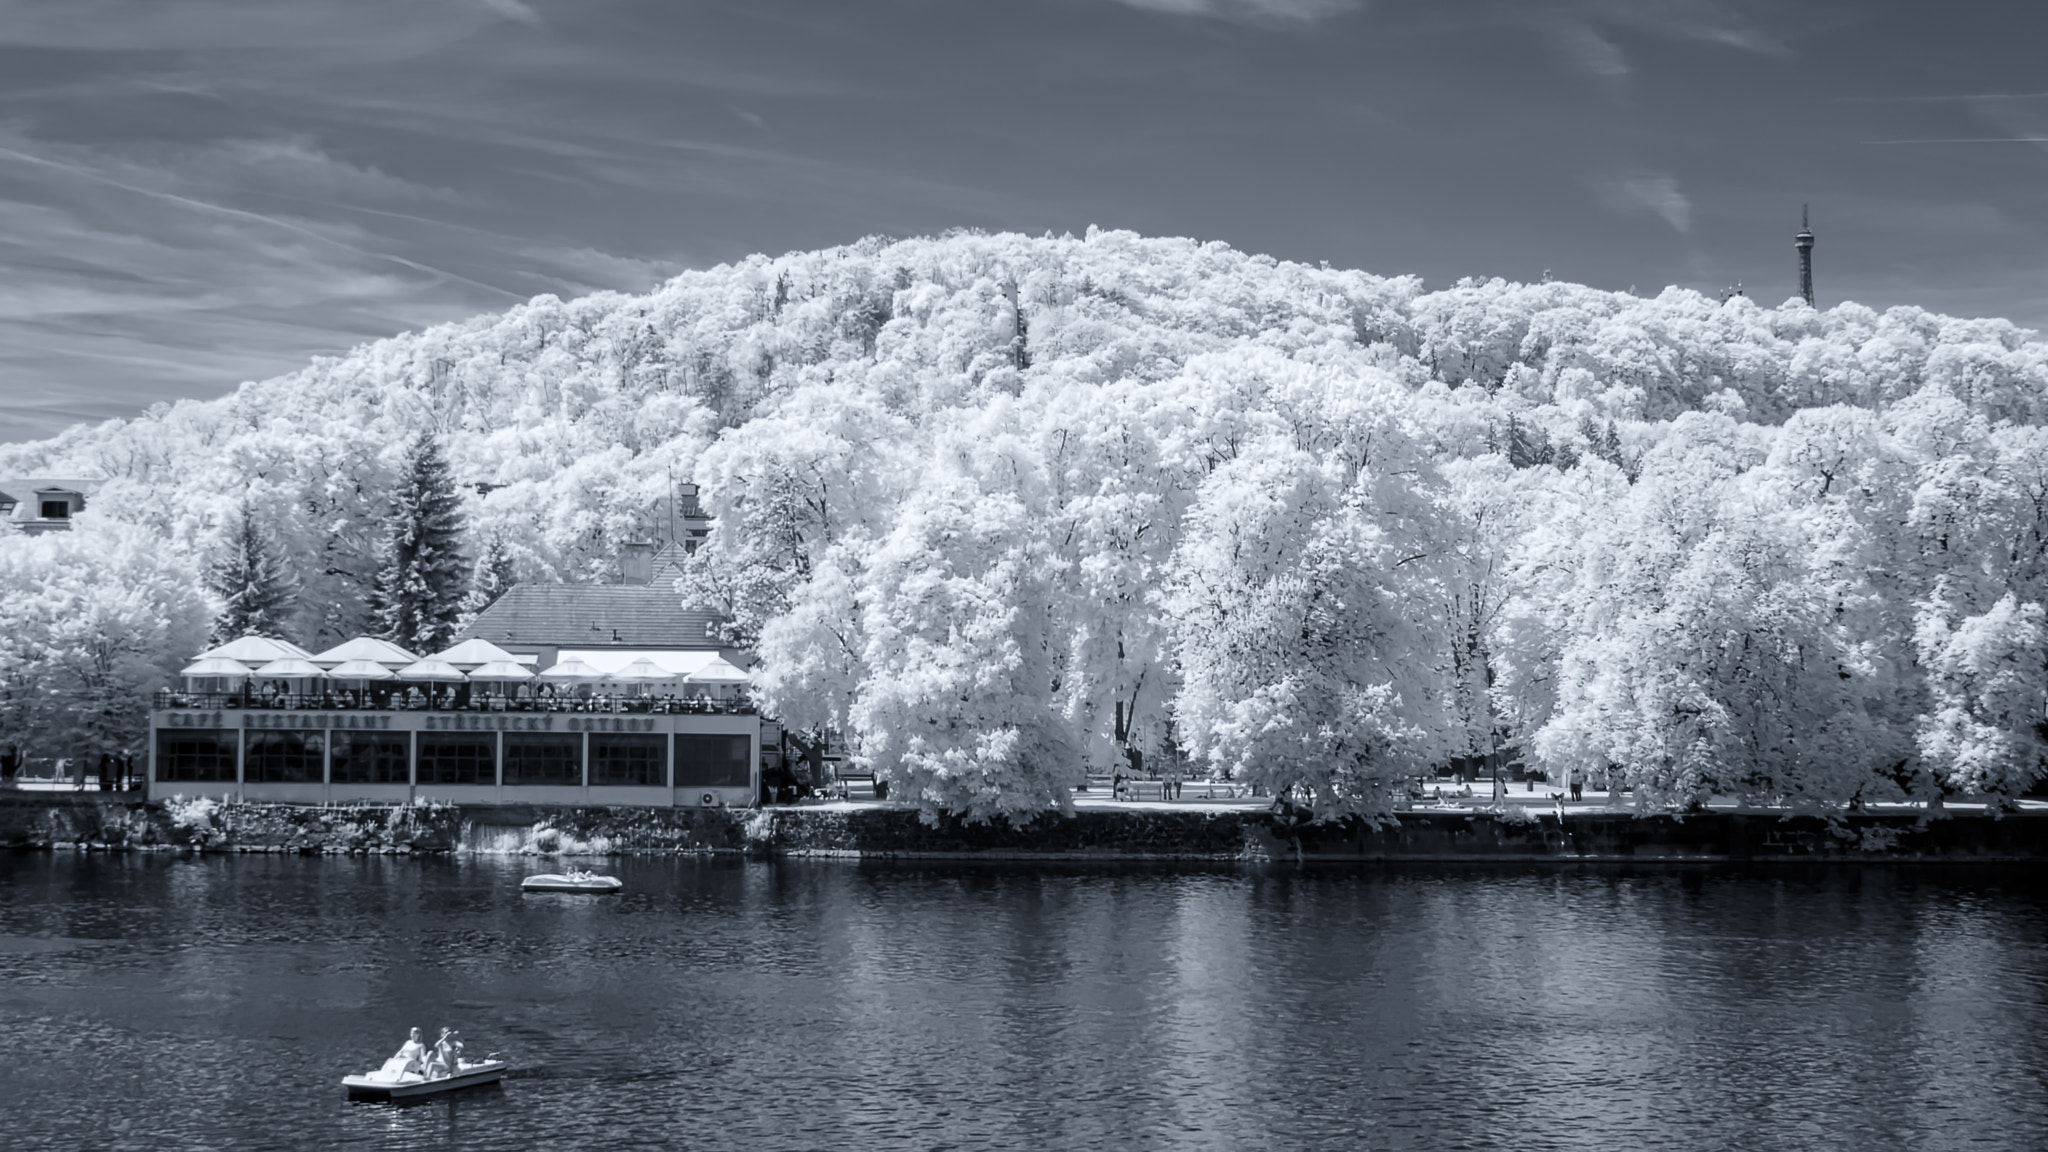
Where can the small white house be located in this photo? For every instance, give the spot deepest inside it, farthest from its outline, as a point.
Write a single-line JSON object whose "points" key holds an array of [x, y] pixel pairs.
{"points": [[42, 504]]}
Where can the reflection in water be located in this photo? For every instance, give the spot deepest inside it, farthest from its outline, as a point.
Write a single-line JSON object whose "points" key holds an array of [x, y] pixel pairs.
{"points": [[150, 1002]]}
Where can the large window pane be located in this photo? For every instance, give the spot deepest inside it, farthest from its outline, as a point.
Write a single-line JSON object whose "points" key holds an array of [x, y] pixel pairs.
{"points": [[713, 761], [618, 759], [457, 758], [536, 758], [206, 754], [372, 758], [283, 757]]}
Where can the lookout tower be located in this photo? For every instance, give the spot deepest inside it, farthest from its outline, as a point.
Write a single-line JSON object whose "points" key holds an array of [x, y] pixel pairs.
{"points": [[1804, 242]]}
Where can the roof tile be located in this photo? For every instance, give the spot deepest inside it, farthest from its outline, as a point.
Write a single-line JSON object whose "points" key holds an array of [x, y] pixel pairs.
{"points": [[594, 616]]}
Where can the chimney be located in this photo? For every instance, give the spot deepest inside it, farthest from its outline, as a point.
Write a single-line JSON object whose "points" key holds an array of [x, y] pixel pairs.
{"points": [[636, 562]]}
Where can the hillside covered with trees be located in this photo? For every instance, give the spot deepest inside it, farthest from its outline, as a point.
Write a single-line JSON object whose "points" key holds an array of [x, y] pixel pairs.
{"points": [[991, 505]]}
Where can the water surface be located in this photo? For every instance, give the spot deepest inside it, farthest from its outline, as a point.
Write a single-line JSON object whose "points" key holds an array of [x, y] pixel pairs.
{"points": [[160, 1002]]}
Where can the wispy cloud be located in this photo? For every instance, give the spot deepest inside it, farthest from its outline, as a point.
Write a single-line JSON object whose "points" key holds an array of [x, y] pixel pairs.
{"points": [[382, 27], [514, 10], [1583, 31], [1944, 98], [1260, 11], [1652, 192], [1584, 46], [592, 270]]}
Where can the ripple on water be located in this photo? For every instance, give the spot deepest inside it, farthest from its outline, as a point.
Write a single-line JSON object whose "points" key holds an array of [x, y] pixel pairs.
{"points": [[158, 1003]]}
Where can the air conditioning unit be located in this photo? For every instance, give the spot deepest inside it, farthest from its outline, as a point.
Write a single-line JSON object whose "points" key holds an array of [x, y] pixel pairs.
{"points": [[709, 800]]}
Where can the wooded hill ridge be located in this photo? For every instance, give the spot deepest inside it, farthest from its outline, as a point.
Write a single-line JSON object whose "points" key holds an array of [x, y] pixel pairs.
{"points": [[989, 503]]}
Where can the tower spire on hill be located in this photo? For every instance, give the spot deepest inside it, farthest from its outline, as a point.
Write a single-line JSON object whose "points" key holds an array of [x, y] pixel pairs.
{"points": [[1804, 242]]}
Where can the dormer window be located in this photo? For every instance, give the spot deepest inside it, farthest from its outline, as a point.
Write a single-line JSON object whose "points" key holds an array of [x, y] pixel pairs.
{"points": [[56, 509]]}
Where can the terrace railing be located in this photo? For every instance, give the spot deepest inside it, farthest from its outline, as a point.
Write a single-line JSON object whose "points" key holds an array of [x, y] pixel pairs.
{"points": [[374, 700]]}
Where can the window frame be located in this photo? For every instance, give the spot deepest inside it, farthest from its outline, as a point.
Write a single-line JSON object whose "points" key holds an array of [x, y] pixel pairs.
{"points": [[540, 741], [612, 771], [168, 766], [341, 747], [429, 742], [738, 767], [258, 761]]}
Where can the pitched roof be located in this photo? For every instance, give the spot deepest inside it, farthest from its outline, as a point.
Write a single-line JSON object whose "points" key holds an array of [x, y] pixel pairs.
{"points": [[594, 616], [668, 565], [13, 487], [77, 485], [256, 650]]}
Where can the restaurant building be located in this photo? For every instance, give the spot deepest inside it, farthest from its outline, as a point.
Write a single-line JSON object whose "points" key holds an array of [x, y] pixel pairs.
{"points": [[586, 694]]}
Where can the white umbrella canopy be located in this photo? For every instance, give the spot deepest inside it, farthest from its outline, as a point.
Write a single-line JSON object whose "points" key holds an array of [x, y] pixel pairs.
{"points": [[256, 650], [501, 670], [475, 651], [217, 666], [437, 671], [359, 670], [291, 668], [642, 671], [367, 648], [570, 670], [719, 672]]}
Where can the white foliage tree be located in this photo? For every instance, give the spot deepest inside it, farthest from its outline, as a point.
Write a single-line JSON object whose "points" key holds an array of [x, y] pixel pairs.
{"points": [[1309, 637], [91, 622], [1878, 480], [961, 606]]}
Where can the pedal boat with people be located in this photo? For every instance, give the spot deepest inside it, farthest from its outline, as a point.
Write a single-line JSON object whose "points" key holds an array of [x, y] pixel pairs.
{"points": [[413, 1086], [573, 881]]}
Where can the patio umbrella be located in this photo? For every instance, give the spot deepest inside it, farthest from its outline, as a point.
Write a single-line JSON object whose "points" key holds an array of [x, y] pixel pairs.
{"points": [[501, 670], [430, 669], [359, 670], [570, 671], [367, 648], [642, 671], [719, 672], [291, 668], [473, 652], [217, 666]]}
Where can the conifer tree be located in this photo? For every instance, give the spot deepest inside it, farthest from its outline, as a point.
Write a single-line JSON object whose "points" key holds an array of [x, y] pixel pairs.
{"points": [[491, 578], [257, 590], [420, 585]]}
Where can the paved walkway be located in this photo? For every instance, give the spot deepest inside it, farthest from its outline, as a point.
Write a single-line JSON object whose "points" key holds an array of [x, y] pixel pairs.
{"points": [[1200, 797]]}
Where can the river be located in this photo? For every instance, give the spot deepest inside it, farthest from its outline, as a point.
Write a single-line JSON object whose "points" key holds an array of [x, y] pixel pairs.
{"points": [[157, 1002]]}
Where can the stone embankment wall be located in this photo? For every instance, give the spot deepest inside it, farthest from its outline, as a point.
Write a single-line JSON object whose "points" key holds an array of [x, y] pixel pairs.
{"points": [[1420, 836], [33, 821], [28, 820]]}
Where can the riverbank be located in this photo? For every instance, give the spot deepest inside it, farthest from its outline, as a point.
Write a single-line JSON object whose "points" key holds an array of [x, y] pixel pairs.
{"points": [[1239, 832]]}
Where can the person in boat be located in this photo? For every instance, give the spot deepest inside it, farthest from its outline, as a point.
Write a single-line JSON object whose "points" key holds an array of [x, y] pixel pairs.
{"points": [[437, 1058], [410, 1060]]}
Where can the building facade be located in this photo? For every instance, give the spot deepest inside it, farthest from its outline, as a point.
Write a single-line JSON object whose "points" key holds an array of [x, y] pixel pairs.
{"points": [[596, 743], [41, 504], [335, 756]]}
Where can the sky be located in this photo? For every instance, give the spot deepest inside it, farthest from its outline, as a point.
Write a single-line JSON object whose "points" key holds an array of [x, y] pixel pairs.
{"points": [[198, 193]]}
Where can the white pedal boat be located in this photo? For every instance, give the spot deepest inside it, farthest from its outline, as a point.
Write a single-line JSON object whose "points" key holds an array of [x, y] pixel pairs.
{"points": [[571, 882], [412, 1086]]}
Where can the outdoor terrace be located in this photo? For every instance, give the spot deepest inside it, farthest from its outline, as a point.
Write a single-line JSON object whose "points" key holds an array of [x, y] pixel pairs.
{"points": [[416, 700]]}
